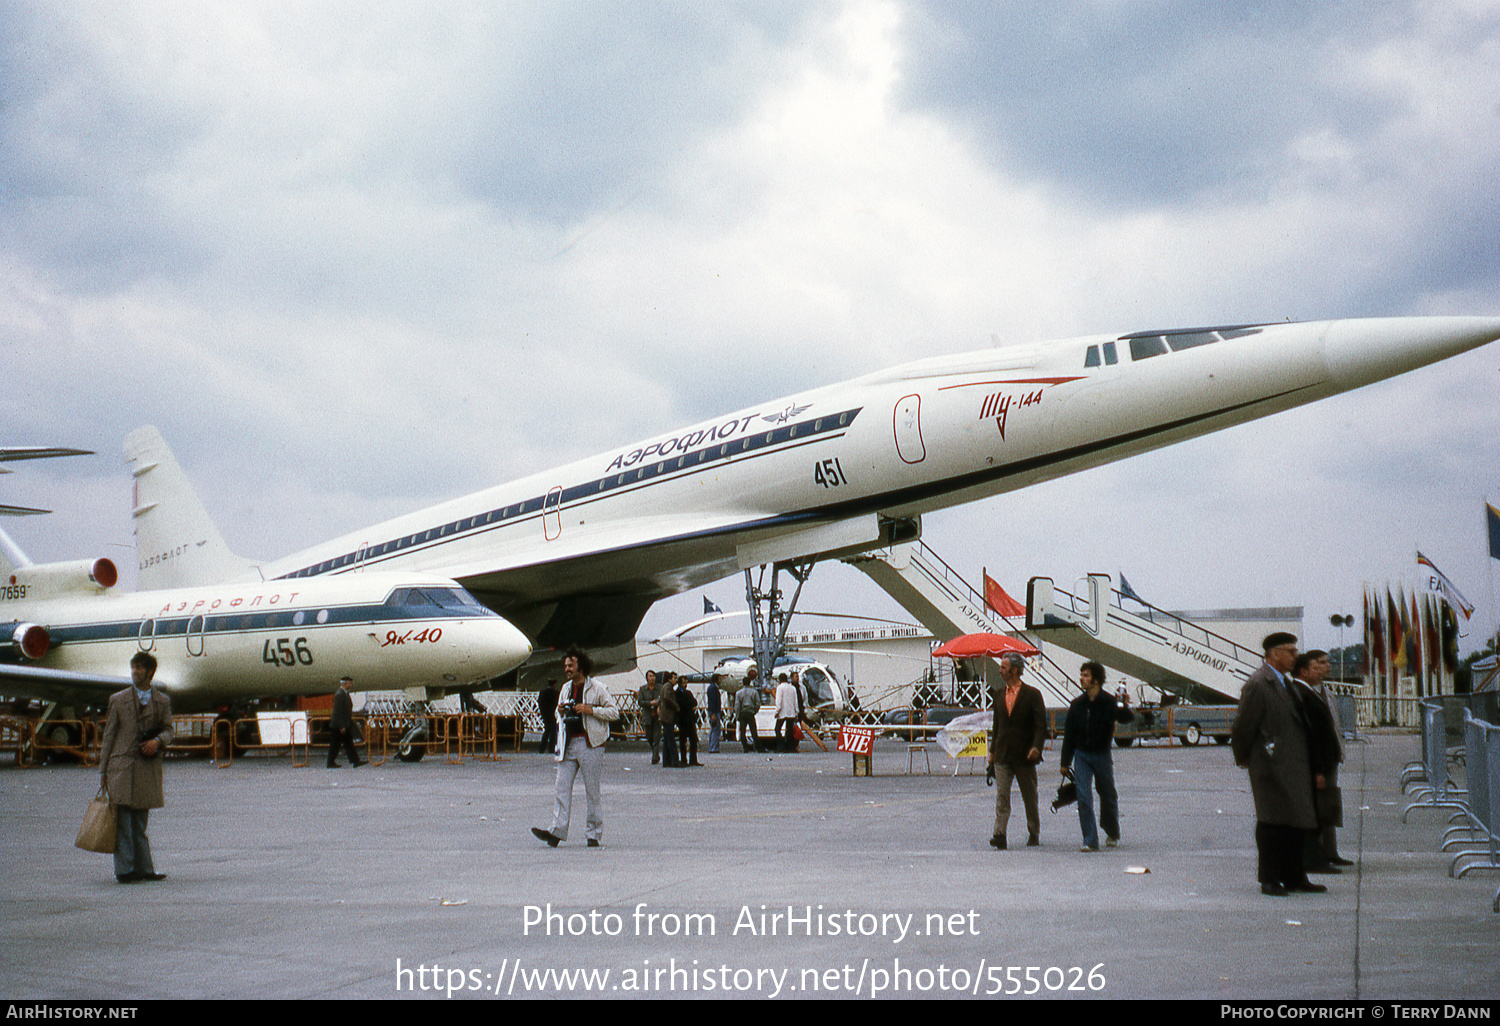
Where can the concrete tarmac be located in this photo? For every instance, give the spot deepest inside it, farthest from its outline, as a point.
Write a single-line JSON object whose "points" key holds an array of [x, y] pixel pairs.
{"points": [[754, 877]]}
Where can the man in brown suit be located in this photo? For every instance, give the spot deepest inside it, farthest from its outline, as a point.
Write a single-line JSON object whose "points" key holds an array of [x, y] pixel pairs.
{"points": [[136, 736], [1020, 731], [1269, 737]]}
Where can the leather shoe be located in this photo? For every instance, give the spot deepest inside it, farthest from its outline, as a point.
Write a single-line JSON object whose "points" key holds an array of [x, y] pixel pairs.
{"points": [[593, 843], [128, 878], [1339, 860], [1327, 869], [1033, 841], [543, 835], [151, 876], [998, 842], [1307, 887], [1274, 890]]}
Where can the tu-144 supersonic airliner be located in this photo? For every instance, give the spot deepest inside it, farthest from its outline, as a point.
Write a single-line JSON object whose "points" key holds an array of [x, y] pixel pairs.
{"points": [[577, 554]]}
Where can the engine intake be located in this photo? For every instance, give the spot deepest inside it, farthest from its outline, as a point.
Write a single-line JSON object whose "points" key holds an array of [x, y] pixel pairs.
{"points": [[31, 640]]}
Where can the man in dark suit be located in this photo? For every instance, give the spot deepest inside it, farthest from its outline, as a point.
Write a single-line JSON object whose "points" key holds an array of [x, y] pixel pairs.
{"points": [[341, 726], [1020, 731], [1325, 750], [1270, 739], [546, 703]]}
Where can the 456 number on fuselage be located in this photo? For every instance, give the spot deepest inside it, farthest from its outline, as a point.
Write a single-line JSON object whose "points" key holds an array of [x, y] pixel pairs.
{"points": [[287, 652]]}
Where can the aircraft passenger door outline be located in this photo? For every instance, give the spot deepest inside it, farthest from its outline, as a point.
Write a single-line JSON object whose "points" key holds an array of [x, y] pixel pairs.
{"points": [[146, 636], [196, 628], [552, 513], [906, 424]]}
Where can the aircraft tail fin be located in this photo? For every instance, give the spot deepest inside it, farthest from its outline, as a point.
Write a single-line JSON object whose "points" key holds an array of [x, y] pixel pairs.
{"points": [[11, 556], [175, 541]]}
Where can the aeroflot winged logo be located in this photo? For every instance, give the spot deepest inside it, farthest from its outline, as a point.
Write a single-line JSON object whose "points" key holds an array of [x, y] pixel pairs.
{"points": [[786, 414]]}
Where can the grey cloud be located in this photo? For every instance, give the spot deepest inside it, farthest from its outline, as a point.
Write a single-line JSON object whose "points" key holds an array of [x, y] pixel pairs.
{"points": [[1131, 105], [601, 97]]}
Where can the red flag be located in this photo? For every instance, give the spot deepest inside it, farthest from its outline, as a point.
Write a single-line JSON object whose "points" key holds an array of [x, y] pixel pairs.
{"points": [[997, 600]]}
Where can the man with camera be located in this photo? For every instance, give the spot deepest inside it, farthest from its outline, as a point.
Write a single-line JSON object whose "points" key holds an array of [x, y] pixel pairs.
{"points": [[136, 735], [584, 713]]}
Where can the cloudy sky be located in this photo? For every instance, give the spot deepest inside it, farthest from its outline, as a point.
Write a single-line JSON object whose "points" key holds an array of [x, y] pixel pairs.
{"points": [[353, 259]]}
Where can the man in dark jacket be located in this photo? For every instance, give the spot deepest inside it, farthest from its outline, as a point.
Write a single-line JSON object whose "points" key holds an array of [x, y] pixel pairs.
{"points": [[1088, 734], [687, 725], [1020, 731], [546, 704], [341, 726], [1325, 750]]}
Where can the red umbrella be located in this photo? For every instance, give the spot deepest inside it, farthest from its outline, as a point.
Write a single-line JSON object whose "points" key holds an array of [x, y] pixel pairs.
{"points": [[972, 646]]}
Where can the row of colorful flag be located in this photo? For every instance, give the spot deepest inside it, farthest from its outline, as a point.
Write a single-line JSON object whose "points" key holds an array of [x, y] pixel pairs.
{"points": [[1414, 634]]}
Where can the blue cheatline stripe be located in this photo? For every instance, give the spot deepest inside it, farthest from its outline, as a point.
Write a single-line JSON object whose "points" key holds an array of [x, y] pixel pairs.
{"points": [[249, 623], [637, 476]]}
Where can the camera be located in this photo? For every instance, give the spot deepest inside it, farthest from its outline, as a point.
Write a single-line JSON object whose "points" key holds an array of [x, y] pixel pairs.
{"points": [[572, 719]]}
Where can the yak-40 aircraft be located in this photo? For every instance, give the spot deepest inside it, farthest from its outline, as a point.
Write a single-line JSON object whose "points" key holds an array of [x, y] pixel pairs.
{"points": [[577, 554], [70, 636]]}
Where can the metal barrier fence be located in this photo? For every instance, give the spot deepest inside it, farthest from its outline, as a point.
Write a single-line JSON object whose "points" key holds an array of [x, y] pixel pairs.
{"points": [[78, 738], [1475, 808], [15, 737], [1482, 816], [1406, 712]]}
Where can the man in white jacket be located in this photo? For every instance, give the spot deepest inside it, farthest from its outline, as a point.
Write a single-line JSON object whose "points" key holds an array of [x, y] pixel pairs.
{"points": [[584, 713], [786, 715]]}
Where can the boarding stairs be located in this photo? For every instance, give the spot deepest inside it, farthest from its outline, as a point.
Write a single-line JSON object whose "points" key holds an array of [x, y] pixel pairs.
{"points": [[948, 606], [1163, 650]]}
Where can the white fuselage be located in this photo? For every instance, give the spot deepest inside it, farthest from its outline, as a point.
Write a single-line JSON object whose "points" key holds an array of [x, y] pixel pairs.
{"points": [[830, 469], [221, 643]]}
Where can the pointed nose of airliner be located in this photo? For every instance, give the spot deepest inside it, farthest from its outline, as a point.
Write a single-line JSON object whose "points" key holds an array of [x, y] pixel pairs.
{"points": [[501, 646], [1359, 352]]}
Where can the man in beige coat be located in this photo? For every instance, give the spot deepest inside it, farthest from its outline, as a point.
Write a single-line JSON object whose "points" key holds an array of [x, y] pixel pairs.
{"points": [[136, 736]]}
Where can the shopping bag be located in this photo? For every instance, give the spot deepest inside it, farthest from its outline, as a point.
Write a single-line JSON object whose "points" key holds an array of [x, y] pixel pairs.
{"points": [[98, 830]]}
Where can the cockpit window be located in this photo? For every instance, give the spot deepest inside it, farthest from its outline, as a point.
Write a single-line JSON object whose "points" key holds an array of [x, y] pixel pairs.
{"points": [[1146, 346], [450, 600], [1189, 339], [1091, 358], [819, 688]]}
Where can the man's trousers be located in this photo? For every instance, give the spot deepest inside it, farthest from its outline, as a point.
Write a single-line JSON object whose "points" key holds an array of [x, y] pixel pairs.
{"points": [[579, 758]]}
